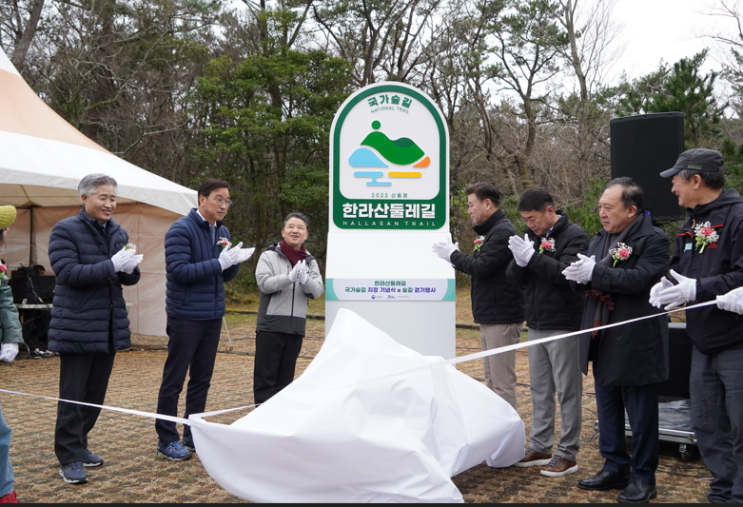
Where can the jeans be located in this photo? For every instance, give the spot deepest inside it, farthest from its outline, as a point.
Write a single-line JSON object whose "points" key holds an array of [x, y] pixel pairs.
{"points": [[7, 481], [275, 361], [554, 368], [192, 348], [716, 385]]}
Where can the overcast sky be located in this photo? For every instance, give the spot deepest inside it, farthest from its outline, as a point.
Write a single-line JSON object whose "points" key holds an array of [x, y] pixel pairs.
{"points": [[667, 29]]}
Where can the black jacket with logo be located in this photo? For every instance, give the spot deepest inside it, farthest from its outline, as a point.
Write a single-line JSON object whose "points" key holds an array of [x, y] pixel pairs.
{"points": [[549, 301], [718, 269], [494, 299]]}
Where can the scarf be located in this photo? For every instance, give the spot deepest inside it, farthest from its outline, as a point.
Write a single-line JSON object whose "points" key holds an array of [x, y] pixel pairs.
{"points": [[603, 301], [294, 256]]}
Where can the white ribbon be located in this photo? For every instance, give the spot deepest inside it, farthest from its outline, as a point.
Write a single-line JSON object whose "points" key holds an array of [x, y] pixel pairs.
{"points": [[455, 360], [529, 343]]}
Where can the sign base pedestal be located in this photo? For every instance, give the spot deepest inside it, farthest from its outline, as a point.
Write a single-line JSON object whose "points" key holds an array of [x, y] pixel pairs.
{"points": [[415, 324]]}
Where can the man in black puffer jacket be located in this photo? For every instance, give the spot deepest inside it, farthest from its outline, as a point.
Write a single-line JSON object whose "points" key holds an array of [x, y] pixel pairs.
{"points": [[497, 305], [708, 262], [552, 308], [90, 257]]}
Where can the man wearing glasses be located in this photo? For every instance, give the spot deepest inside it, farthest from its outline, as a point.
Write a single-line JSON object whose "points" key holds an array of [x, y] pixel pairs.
{"points": [[199, 259]]}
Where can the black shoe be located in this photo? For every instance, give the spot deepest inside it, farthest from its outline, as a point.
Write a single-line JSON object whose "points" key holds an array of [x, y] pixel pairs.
{"points": [[605, 480], [638, 491]]}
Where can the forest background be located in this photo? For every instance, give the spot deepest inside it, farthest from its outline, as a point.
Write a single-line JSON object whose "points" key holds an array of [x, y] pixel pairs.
{"points": [[246, 92]]}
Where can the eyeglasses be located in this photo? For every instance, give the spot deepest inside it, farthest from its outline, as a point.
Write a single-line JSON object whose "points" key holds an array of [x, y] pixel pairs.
{"points": [[226, 202]]}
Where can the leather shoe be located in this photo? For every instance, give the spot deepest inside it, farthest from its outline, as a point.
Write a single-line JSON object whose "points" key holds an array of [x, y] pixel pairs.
{"points": [[638, 491], [605, 480], [534, 458]]}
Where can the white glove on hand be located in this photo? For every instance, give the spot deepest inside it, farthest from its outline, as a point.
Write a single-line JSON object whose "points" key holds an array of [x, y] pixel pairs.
{"points": [[732, 301], [8, 351], [444, 249], [130, 265], [294, 273], [122, 259], [676, 295], [663, 284], [242, 254], [581, 271], [303, 273], [522, 249], [226, 257]]}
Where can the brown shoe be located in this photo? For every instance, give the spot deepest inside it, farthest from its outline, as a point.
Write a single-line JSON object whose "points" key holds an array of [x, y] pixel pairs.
{"points": [[533, 458], [558, 467]]}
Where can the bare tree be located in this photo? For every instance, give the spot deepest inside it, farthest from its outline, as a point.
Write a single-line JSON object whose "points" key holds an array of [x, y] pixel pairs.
{"points": [[383, 39], [19, 28]]}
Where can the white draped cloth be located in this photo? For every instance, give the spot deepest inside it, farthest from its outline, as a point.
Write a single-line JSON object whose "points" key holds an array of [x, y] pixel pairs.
{"points": [[358, 426]]}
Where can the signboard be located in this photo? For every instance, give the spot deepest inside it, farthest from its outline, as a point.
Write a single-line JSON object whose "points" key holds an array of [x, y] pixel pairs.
{"points": [[389, 161], [389, 202], [368, 289]]}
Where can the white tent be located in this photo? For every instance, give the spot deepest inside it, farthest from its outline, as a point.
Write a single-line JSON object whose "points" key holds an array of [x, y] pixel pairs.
{"points": [[42, 160]]}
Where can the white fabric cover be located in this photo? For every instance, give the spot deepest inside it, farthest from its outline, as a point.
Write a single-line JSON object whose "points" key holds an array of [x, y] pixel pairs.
{"points": [[348, 431]]}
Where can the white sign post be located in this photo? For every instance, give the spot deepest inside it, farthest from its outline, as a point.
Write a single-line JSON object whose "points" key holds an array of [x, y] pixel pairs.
{"points": [[389, 202]]}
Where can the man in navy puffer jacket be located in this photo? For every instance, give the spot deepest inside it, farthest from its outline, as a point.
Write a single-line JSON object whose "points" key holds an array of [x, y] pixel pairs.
{"points": [[91, 259], [198, 259]]}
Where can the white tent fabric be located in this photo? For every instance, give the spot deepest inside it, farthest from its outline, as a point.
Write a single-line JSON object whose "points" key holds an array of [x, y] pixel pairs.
{"points": [[349, 430], [43, 159]]}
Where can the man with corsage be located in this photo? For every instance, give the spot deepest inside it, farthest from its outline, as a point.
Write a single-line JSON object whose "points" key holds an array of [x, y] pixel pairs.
{"points": [[624, 261], [708, 262]]}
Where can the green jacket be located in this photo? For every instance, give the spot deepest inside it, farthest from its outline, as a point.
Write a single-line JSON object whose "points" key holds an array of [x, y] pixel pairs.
{"points": [[10, 326]]}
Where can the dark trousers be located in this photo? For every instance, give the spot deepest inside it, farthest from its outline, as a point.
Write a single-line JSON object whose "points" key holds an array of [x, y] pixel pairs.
{"points": [[192, 344], [82, 377], [716, 386], [641, 403], [275, 359]]}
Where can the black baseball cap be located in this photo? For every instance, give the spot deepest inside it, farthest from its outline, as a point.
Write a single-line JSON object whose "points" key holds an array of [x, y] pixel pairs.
{"points": [[697, 159]]}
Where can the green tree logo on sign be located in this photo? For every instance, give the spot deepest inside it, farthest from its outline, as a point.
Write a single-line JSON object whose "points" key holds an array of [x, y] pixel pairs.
{"points": [[390, 153]]}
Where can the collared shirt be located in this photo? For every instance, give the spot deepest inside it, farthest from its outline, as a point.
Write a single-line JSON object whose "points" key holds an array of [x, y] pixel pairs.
{"points": [[212, 227]]}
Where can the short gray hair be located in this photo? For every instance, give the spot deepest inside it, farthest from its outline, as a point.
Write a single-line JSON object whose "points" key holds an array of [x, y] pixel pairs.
{"points": [[90, 183], [712, 179]]}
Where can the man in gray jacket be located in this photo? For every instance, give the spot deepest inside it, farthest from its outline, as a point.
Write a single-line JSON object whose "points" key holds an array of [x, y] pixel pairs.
{"points": [[288, 276]]}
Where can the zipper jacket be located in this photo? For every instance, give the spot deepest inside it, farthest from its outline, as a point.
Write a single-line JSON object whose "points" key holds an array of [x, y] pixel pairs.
{"points": [[283, 306]]}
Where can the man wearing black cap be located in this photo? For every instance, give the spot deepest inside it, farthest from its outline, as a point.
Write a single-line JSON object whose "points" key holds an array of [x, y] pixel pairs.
{"points": [[707, 262]]}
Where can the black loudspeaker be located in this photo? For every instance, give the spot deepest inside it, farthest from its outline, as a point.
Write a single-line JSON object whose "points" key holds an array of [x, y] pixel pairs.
{"points": [[679, 363], [26, 283], [641, 147]]}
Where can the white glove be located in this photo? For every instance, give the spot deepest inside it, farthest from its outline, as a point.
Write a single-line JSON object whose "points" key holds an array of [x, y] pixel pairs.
{"points": [[242, 254], [663, 284], [581, 271], [444, 249], [732, 301], [522, 249], [303, 273], [294, 273], [8, 351], [122, 259], [226, 257], [130, 265], [676, 295]]}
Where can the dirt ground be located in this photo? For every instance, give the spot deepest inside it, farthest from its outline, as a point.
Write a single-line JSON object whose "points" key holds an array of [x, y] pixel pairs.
{"points": [[132, 473]]}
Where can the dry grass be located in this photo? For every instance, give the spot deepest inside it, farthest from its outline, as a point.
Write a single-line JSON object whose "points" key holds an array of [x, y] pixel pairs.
{"points": [[132, 473]]}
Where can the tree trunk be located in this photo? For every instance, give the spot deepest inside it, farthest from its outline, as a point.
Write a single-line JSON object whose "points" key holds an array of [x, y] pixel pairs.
{"points": [[24, 42]]}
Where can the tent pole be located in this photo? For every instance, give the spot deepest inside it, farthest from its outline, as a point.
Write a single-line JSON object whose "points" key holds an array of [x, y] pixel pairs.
{"points": [[32, 250]]}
